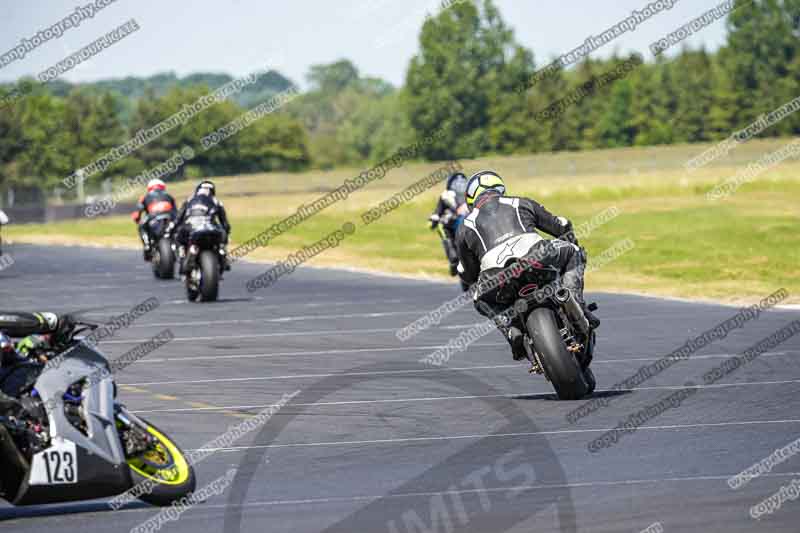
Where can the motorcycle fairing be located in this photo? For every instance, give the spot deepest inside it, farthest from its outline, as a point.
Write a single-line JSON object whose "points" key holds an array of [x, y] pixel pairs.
{"points": [[101, 465]]}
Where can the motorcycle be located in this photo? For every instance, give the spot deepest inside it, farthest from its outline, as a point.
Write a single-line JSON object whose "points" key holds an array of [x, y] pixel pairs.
{"points": [[3, 222], [75, 441], [446, 226], [205, 260], [160, 251], [559, 342]]}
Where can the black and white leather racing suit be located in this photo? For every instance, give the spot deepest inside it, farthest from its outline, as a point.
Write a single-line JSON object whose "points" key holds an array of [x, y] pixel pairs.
{"points": [[195, 211], [500, 228]]}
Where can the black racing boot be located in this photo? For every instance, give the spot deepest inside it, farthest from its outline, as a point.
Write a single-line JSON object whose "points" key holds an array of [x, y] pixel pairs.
{"points": [[576, 288], [181, 260], [517, 341], [146, 253], [594, 322]]}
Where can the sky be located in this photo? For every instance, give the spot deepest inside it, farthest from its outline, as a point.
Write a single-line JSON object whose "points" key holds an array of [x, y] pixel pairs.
{"points": [[241, 36]]}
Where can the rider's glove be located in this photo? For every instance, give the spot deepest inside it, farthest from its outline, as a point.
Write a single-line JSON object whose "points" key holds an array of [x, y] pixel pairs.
{"points": [[32, 345], [434, 220]]}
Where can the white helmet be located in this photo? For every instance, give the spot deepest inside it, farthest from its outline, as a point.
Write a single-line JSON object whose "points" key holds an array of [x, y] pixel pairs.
{"points": [[154, 184]]}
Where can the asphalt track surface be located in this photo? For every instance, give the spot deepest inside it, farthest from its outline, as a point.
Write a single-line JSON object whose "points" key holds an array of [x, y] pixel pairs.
{"points": [[376, 441]]}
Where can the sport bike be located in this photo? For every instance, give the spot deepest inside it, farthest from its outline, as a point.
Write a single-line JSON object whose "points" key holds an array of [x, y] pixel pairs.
{"points": [[160, 251], [204, 261], [446, 227], [74, 441], [3, 222], [559, 342]]}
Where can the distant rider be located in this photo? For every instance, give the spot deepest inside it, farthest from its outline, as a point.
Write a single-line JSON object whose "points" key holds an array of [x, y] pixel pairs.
{"points": [[489, 236], [451, 209], [3, 222], [201, 206], [156, 202]]}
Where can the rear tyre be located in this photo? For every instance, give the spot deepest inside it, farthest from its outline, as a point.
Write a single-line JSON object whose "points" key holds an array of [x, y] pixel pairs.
{"points": [[209, 282], [164, 260], [560, 366]]}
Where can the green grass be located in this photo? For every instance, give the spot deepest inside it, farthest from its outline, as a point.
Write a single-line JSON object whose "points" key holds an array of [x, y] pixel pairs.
{"points": [[738, 249]]}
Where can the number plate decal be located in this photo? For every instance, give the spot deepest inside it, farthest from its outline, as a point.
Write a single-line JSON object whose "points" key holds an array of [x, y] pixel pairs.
{"points": [[57, 465]]}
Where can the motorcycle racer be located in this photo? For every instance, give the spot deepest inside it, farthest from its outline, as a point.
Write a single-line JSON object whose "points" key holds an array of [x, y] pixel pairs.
{"points": [[202, 205], [155, 202], [3, 222], [488, 237], [448, 215]]}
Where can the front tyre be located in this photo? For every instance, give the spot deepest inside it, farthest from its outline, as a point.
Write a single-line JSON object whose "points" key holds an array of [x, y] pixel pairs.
{"points": [[209, 280], [560, 366], [164, 466]]}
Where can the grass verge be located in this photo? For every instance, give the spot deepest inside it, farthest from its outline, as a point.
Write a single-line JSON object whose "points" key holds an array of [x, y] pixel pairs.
{"points": [[735, 250]]}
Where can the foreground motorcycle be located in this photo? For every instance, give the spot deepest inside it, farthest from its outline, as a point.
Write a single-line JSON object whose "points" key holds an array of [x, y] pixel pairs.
{"points": [[558, 339], [204, 262], [74, 441], [160, 252], [446, 226]]}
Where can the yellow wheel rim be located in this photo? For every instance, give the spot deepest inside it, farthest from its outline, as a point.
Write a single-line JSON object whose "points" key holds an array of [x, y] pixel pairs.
{"points": [[176, 474]]}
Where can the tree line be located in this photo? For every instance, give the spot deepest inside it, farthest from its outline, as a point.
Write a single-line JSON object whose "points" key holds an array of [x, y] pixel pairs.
{"points": [[463, 84]]}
